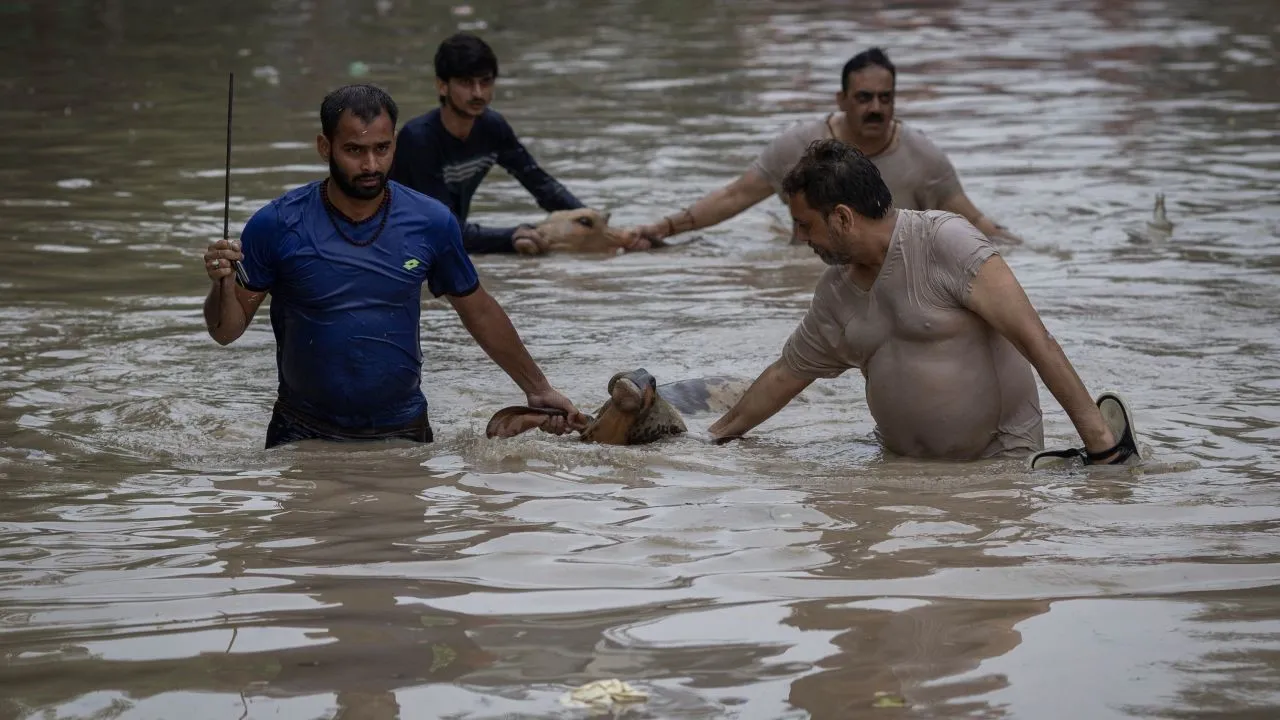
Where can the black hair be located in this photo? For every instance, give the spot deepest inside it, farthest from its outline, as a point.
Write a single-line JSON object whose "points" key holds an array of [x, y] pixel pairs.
{"points": [[832, 173], [464, 55], [366, 102], [874, 56]]}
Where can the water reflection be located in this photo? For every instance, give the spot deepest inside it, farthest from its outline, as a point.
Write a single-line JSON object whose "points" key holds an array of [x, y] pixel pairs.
{"points": [[155, 562]]}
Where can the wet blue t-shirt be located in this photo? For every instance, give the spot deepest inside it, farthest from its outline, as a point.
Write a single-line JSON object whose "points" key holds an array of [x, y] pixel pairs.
{"points": [[345, 317]]}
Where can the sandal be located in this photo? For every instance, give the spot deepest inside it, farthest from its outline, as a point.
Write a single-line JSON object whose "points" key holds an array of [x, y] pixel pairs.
{"points": [[1115, 413]]}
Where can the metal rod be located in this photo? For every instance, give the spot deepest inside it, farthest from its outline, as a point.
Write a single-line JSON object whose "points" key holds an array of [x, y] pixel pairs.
{"points": [[241, 275]]}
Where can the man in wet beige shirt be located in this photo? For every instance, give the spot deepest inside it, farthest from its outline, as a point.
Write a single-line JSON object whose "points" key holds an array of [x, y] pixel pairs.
{"points": [[919, 175], [922, 303]]}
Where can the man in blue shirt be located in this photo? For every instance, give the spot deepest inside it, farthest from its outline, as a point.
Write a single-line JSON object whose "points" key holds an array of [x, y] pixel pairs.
{"points": [[449, 150], [344, 259]]}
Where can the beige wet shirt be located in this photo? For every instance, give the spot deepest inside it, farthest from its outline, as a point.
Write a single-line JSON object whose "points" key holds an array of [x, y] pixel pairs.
{"points": [[919, 175], [940, 382]]}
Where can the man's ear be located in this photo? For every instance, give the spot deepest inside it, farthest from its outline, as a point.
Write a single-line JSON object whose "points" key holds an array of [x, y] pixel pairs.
{"points": [[323, 147], [843, 218]]}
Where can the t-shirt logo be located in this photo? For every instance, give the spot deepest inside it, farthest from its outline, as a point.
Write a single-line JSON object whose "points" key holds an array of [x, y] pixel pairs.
{"points": [[411, 263]]}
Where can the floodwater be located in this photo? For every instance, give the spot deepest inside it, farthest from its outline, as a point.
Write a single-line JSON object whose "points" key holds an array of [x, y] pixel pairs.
{"points": [[156, 563]]}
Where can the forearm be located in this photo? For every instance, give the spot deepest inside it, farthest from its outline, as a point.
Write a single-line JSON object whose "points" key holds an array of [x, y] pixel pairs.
{"points": [[551, 195], [477, 240], [712, 209], [1068, 389], [489, 324], [994, 231], [771, 392], [224, 317]]}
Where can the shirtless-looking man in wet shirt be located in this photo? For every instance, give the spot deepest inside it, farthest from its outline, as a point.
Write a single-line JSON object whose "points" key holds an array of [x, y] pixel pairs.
{"points": [[922, 303]]}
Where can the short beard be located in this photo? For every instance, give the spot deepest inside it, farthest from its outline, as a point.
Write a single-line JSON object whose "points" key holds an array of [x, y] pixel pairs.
{"points": [[833, 258], [348, 186]]}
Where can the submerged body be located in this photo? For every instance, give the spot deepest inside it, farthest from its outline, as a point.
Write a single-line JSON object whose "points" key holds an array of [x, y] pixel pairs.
{"points": [[638, 411], [940, 382], [580, 231]]}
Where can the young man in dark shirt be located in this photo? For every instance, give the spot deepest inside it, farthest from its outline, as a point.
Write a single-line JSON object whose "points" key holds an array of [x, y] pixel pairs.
{"points": [[448, 151]]}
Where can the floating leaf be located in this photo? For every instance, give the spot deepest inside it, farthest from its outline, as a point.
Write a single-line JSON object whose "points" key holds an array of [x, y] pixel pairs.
{"points": [[442, 656], [888, 700]]}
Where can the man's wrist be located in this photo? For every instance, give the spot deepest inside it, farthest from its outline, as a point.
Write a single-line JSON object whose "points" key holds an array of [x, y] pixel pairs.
{"points": [[536, 385]]}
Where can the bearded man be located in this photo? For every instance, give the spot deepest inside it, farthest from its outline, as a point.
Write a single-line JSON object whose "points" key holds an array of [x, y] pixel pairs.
{"points": [[344, 259]]}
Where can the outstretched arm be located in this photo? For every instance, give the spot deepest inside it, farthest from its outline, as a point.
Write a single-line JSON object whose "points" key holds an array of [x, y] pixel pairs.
{"points": [[713, 208], [477, 239], [545, 189], [771, 392], [1000, 300]]}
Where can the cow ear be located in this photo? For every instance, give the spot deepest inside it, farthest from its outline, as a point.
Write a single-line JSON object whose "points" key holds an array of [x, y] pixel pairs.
{"points": [[514, 420]]}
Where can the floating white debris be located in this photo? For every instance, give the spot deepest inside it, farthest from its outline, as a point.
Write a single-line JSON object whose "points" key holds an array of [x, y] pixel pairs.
{"points": [[75, 183], [267, 73], [54, 248], [602, 694]]}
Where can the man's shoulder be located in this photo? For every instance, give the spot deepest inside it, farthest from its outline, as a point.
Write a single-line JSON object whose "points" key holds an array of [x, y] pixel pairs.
{"points": [[493, 117], [301, 193], [930, 223], [786, 148], [939, 219], [492, 123], [419, 203], [804, 130], [949, 232], [421, 122], [919, 141], [287, 208]]}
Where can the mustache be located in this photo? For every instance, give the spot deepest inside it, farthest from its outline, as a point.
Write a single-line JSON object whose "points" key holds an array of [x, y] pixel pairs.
{"points": [[873, 117], [368, 176]]}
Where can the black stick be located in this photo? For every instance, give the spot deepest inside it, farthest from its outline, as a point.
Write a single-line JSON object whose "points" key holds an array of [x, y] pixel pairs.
{"points": [[241, 275]]}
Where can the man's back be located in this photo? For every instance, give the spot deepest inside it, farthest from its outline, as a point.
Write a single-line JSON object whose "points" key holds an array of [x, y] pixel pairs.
{"points": [[940, 381]]}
